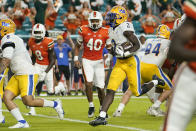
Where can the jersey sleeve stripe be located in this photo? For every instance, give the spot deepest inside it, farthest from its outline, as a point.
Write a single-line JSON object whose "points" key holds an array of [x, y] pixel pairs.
{"points": [[50, 44], [80, 29], [8, 44]]}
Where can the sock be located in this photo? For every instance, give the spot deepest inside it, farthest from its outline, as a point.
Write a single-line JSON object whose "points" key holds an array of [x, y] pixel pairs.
{"points": [[91, 104], [32, 109], [155, 82], [121, 106], [48, 103], [1, 115], [156, 104], [16, 113], [102, 114], [156, 96]]}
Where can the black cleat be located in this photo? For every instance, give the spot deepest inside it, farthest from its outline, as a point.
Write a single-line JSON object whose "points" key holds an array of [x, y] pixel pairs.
{"points": [[98, 121], [160, 81], [91, 112]]}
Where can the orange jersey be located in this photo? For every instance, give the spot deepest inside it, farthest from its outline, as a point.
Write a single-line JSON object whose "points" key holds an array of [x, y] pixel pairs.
{"points": [[192, 46], [93, 42], [40, 50]]}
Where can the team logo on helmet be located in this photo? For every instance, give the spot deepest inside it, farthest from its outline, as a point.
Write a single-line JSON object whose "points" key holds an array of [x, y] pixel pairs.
{"points": [[116, 16]]}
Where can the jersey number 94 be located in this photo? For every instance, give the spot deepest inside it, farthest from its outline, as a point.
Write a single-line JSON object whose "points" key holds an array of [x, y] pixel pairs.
{"points": [[156, 49]]}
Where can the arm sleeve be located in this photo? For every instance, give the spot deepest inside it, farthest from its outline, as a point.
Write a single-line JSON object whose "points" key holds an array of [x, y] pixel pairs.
{"points": [[8, 52], [127, 26], [51, 44]]}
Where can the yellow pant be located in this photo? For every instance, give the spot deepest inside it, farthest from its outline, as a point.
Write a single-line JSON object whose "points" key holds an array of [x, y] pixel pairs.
{"points": [[22, 84], [148, 70], [129, 68], [2, 77]]}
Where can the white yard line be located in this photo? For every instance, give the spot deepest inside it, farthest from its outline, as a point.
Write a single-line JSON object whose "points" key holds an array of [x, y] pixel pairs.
{"points": [[86, 122], [83, 97]]}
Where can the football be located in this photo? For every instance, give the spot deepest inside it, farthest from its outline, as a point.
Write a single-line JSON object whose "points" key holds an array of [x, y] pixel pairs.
{"points": [[126, 46]]}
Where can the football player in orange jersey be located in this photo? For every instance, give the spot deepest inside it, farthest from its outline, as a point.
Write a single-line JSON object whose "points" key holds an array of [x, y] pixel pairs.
{"points": [[183, 47], [43, 51], [43, 55], [93, 37]]}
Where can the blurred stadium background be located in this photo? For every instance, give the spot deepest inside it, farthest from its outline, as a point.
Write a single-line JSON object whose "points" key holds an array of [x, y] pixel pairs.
{"points": [[60, 16]]}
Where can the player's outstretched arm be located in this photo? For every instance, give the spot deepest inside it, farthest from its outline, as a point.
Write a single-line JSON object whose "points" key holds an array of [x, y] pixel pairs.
{"points": [[133, 39], [182, 36]]}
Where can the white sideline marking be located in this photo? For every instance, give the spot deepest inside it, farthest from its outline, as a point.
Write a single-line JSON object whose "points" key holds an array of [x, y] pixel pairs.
{"points": [[83, 97], [86, 122]]}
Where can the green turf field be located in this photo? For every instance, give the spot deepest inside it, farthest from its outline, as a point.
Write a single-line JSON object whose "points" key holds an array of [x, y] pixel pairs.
{"points": [[133, 118]]}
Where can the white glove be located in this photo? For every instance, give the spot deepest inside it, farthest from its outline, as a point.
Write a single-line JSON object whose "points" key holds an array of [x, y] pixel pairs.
{"points": [[42, 76], [119, 51], [108, 59]]}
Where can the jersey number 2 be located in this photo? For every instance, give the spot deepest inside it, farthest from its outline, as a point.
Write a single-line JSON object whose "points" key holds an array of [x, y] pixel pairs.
{"points": [[39, 55], [96, 46], [155, 50]]}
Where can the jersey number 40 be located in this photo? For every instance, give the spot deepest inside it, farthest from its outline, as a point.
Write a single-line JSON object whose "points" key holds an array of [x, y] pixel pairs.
{"points": [[94, 45], [156, 49]]}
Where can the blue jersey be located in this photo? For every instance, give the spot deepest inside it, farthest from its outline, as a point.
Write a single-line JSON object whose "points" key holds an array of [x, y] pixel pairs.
{"points": [[62, 55]]}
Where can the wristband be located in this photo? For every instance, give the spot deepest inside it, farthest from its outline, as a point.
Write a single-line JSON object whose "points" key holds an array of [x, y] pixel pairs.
{"points": [[75, 58]]}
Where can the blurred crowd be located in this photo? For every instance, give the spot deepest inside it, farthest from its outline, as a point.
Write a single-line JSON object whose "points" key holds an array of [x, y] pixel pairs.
{"points": [[149, 13]]}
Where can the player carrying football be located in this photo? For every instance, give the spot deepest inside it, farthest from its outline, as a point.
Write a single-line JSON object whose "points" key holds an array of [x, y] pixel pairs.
{"points": [[183, 47], [25, 78], [94, 38], [154, 56], [126, 44]]}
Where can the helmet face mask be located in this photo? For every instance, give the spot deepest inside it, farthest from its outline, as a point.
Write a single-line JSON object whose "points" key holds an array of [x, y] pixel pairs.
{"points": [[95, 20], [111, 19], [38, 31], [95, 23]]}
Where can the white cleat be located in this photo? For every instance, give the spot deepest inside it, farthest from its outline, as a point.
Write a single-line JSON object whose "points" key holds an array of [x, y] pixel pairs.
{"points": [[155, 112], [20, 125], [59, 109], [2, 120], [117, 113]]}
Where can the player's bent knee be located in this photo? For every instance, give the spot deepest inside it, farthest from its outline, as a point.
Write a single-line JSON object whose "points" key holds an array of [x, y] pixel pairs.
{"points": [[28, 100], [8, 96]]}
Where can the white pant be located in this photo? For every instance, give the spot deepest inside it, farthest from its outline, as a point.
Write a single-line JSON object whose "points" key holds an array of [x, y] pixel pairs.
{"points": [[94, 72], [183, 103], [49, 76]]}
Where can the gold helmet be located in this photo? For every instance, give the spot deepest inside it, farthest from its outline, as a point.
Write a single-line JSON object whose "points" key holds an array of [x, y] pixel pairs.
{"points": [[6, 26], [163, 31], [116, 16]]}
